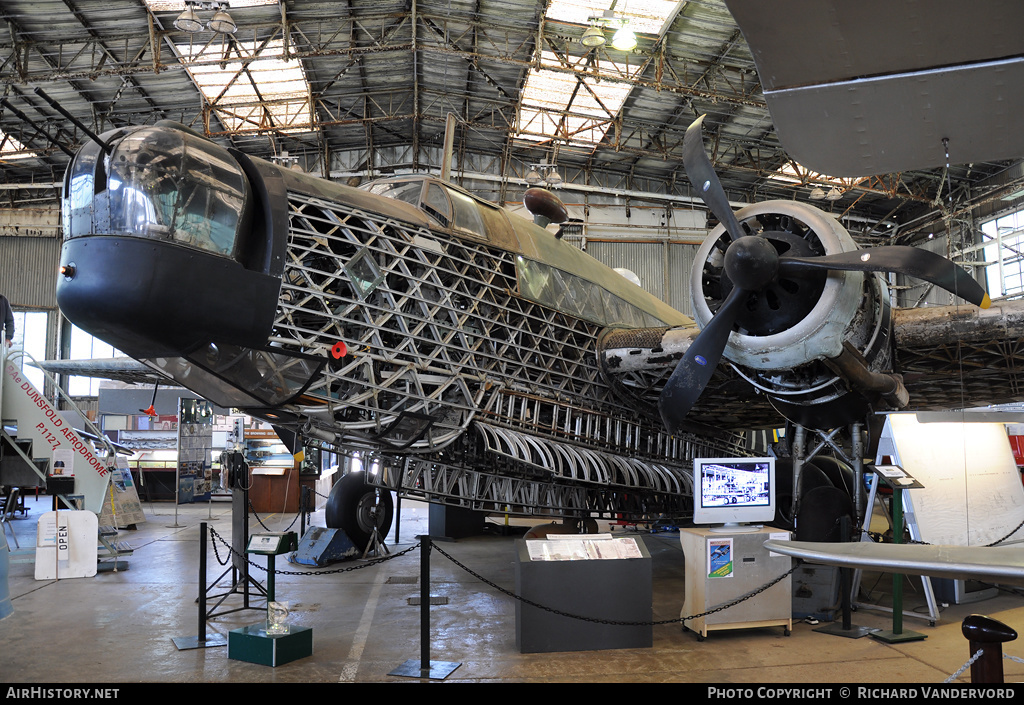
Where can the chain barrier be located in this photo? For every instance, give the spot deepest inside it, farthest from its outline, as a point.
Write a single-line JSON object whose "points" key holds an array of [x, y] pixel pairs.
{"points": [[560, 613], [879, 537], [218, 538], [974, 657], [260, 521]]}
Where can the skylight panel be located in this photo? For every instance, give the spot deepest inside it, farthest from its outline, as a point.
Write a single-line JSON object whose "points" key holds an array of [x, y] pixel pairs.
{"points": [[568, 106], [561, 101], [179, 5], [794, 173], [11, 148], [258, 94], [646, 16]]}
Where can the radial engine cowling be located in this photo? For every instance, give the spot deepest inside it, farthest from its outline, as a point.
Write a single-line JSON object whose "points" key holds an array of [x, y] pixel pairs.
{"points": [[810, 342]]}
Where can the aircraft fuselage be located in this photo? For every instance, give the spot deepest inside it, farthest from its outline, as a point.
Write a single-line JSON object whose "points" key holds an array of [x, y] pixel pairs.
{"points": [[391, 318]]}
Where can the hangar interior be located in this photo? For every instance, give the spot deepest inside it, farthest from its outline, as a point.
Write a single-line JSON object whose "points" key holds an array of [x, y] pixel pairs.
{"points": [[494, 98]]}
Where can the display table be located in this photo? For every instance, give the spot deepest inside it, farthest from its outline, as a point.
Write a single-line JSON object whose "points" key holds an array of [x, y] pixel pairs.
{"points": [[569, 576], [721, 567]]}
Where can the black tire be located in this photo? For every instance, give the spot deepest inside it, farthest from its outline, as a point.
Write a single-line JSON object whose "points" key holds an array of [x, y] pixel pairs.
{"points": [[811, 477], [820, 511], [355, 506]]}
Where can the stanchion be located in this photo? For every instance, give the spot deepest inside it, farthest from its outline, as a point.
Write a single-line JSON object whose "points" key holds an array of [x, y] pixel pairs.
{"points": [[986, 634], [424, 667], [847, 628], [303, 509], [238, 567], [202, 639]]}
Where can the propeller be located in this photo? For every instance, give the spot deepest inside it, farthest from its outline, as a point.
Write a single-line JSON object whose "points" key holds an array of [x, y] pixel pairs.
{"points": [[752, 264]]}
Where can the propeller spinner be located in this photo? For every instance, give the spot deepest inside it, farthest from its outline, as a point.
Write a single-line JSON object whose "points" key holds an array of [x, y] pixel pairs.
{"points": [[789, 275]]}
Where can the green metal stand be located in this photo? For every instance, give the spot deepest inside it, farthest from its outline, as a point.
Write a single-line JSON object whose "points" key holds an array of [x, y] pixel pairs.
{"points": [[897, 634]]}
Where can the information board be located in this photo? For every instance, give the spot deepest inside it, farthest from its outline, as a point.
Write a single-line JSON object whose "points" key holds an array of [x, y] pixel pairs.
{"points": [[972, 492]]}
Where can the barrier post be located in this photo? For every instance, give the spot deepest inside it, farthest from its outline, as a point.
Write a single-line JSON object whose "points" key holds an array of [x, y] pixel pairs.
{"points": [[986, 634], [202, 639], [423, 667]]}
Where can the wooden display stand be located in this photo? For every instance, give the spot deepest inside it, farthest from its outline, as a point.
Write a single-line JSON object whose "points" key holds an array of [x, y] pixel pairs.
{"points": [[274, 489], [740, 565]]}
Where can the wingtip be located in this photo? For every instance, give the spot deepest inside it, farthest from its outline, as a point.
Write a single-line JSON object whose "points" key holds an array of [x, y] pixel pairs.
{"points": [[986, 301]]}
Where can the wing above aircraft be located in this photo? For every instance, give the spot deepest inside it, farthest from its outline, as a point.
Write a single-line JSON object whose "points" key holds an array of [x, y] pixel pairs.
{"points": [[877, 87], [1004, 565]]}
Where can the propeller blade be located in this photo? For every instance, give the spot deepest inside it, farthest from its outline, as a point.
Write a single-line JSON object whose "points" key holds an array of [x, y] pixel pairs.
{"points": [[694, 371], [702, 176], [912, 261]]}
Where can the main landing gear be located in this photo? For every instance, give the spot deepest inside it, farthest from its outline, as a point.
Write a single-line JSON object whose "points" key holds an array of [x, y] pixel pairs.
{"points": [[362, 511]]}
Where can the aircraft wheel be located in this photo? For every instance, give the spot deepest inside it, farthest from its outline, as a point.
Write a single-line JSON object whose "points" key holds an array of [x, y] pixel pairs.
{"points": [[356, 507]]}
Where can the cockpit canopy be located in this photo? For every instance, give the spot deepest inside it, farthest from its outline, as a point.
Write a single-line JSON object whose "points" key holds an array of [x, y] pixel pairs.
{"points": [[450, 207], [158, 183]]}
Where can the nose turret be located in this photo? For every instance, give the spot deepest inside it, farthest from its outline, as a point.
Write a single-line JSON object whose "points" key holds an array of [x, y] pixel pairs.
{"points": [[156, 234]]}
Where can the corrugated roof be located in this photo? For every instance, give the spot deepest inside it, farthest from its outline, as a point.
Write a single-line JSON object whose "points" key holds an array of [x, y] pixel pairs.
{"points": [[366, 86]]}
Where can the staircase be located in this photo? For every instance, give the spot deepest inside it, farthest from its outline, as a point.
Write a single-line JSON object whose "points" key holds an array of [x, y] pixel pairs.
{"points": [[35, 437]]}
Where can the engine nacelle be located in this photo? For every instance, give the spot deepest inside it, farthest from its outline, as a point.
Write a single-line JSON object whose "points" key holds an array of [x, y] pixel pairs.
{"points": [[795, 340]]}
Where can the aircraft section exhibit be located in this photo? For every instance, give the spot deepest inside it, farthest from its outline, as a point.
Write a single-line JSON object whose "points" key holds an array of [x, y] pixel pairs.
{"points": [[479, 342], [485, 364]]}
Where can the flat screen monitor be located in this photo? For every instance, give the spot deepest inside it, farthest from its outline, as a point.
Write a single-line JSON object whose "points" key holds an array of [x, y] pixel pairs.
{"points": [[737, 494]]}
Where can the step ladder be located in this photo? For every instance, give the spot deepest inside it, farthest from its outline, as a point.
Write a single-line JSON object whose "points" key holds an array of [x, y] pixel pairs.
{"points": [[110, 550]]}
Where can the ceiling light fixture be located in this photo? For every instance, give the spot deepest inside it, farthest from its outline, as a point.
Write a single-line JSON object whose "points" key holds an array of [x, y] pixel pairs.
{"points": [[221, 22], [625, 38], [544, 175], [593, 37], [833, 194], [188, 21], [817, 193]]}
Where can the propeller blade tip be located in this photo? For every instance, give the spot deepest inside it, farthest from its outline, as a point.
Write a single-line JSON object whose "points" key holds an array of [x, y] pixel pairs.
{"points": [[986, 301]]}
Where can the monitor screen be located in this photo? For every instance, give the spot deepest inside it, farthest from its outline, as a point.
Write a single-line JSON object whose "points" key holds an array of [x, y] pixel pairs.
{"points": [[734, 492]]}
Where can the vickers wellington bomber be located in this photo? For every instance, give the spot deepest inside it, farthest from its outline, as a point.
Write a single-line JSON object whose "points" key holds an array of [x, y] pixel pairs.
{"points": [[480, 359], [476, 357]]}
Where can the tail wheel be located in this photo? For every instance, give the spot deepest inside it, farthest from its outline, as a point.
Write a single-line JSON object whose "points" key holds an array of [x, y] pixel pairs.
{"points": [[356, 507]]}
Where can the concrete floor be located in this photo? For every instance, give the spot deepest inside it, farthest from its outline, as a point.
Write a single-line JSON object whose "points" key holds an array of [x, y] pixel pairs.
{"points": [[118, 627]]}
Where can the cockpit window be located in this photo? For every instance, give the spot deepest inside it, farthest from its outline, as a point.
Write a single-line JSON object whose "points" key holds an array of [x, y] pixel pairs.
{"points": [[451, 208], [436, 204], [467, 213], [161, 184], [408, 191]]}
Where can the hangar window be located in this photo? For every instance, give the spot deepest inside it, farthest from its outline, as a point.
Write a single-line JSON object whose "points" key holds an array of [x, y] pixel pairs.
{"points": [[84, 346], [1005, 255], [30, 336]]}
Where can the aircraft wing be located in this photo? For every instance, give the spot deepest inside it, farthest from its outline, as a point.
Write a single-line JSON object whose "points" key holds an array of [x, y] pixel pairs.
{"points": [[876, 86], [122, 369], [954, 357], [637, 362], [1003, 565]]}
